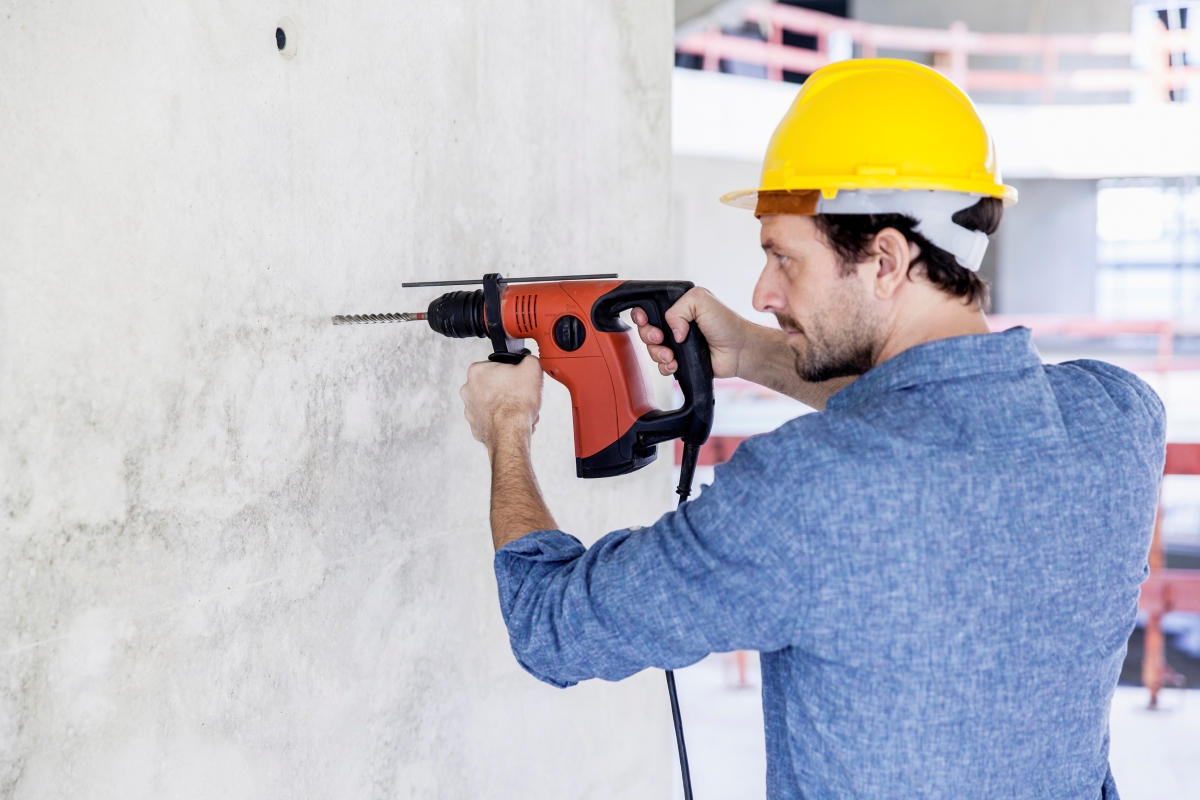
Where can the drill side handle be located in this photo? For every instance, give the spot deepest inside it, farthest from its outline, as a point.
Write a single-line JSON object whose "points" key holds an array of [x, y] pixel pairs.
{"points": [[506, 350], [693, 421]]}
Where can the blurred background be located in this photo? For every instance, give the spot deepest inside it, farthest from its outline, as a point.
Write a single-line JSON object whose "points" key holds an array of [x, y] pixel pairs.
{"points": [[1094, 108]]}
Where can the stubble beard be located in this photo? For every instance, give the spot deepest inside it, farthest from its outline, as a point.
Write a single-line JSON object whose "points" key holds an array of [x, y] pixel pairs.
{"points": [[831, 350]]}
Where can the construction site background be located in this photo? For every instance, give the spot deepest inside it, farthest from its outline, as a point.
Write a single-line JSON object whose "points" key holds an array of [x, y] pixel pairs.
{"points": [[1093, 108]]}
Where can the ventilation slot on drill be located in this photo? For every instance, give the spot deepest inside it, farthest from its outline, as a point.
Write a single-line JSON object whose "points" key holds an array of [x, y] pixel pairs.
{"points": [[526, 308]]}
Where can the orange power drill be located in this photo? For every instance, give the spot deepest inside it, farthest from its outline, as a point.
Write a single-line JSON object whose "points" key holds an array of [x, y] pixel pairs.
{"points": [[584, 345]]}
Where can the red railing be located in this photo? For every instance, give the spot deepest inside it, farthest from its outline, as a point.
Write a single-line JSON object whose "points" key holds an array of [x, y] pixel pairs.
{"points": [[1166, 589], [1085, 328], [951, 50]]}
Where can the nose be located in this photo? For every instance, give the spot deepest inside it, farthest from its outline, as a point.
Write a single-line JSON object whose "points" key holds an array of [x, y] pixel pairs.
{"points": [[767, 295]]}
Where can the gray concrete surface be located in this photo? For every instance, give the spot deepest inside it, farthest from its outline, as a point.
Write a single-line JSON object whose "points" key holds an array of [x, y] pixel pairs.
{"points": [[244, 553]]}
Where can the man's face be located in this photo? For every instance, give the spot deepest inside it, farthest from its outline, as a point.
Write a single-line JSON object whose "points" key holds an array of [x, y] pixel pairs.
{"points": [[832, 319]]}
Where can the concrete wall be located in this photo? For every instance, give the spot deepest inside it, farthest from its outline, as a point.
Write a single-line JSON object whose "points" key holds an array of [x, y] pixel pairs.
{"points": [[244, 553], [1046, 249]]}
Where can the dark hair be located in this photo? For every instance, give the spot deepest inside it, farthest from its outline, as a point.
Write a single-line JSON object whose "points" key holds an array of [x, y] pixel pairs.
{"points": [[850, 236]]}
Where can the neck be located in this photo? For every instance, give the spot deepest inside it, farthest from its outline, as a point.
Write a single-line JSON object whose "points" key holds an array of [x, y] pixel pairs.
{"points": [[927, 315]]}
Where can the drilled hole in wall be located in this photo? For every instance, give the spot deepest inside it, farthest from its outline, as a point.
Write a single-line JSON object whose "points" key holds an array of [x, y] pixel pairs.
{"points": [[286, 38]]}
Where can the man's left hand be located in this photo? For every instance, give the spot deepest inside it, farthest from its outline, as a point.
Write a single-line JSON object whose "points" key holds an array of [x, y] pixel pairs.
{"points": [[498, 397]]}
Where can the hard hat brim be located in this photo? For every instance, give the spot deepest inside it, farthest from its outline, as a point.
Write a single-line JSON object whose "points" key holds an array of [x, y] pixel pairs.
{"points": [[748, 198], [742, 198]]}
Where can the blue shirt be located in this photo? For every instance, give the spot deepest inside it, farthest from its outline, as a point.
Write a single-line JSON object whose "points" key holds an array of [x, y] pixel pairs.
{"points": [[941, 571]]}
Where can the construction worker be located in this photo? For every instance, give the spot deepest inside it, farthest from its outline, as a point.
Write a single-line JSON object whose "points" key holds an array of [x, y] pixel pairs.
{"points": [[941, 567]]}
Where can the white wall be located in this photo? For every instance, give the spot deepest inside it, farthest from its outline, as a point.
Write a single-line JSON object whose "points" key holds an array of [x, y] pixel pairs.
{"points": [[244, 553], [717, 246], [1046, 250]]}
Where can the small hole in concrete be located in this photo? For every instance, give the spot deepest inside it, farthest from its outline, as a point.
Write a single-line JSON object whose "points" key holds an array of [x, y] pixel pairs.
{"points": [[286, 38]]}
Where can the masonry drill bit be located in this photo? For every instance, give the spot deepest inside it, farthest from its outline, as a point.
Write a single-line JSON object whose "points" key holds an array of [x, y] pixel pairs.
{"points": [[367, 319]]}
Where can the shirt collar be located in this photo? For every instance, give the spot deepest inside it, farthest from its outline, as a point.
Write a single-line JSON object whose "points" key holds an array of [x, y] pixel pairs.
{"points": [[941, 360]]}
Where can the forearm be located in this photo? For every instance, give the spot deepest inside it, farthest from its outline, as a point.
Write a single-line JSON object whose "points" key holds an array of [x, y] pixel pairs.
{"points": [[517, 505], [766, 359], [711, 578]]}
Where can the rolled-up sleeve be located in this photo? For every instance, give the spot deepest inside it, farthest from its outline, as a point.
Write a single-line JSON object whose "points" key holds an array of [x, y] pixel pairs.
{"points": [[727, 571]]}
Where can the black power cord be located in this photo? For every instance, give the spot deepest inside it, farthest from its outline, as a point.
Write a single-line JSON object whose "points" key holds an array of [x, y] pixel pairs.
{"points": [[687, 470], [683, 762]]}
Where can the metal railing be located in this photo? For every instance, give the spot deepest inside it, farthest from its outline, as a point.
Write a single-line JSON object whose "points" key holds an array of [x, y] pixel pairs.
{"points": [[1088, 329], [1166, 589], [951, 50]]}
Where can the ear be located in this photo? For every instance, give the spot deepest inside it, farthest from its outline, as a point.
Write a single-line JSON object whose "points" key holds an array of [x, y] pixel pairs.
{"points": [[895, 254]]}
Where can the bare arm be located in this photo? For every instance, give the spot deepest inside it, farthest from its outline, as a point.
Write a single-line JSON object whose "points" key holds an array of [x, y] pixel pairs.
{"points": [[501, 402], [740, 349], [517, 505]]}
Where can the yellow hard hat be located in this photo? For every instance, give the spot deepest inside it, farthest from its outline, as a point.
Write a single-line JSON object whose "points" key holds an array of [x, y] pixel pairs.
{"points": [[875, 124]]}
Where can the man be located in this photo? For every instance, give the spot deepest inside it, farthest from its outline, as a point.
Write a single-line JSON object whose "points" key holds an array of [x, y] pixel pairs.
{"points": [[941, 567]]}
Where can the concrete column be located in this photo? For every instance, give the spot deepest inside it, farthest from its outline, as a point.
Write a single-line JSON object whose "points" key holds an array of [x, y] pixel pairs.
{"points": [[243, 553]]}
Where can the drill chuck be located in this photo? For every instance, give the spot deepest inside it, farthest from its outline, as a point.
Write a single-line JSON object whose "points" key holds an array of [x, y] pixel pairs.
{"points": [[458, 315]]}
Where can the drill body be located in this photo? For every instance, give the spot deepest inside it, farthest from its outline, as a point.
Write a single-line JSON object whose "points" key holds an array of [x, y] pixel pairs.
{"points": [[583, 344]]}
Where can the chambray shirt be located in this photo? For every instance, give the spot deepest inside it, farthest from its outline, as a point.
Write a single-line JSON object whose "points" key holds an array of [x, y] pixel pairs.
{"points": [[940, 570]]}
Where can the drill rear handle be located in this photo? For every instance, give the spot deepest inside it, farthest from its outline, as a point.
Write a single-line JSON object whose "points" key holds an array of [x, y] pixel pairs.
{"points": [[692, 422]]}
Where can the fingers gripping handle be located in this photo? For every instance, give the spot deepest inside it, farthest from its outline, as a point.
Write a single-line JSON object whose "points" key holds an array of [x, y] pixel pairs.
{"points": [[693, 421]]}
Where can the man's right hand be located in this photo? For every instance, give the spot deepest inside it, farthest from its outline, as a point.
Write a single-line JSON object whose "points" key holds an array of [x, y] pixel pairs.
{"points": [[739, 348], [725, 331]]}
